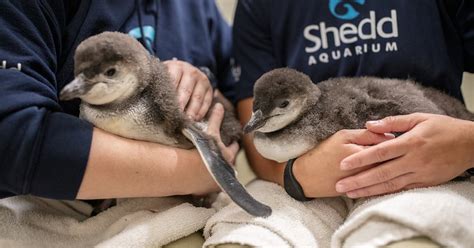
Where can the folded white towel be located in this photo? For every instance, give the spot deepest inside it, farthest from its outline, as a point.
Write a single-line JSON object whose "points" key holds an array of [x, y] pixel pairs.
{"points": [[292, 223], [444, 213], [28, 221]]}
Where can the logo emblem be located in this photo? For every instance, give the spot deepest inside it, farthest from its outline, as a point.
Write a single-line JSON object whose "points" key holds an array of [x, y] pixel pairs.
{"points": [[148, 32], [348, 12]]}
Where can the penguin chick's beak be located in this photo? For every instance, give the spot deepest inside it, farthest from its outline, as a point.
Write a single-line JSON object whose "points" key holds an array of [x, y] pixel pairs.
{"points": [[75, 88], [256, 121]]}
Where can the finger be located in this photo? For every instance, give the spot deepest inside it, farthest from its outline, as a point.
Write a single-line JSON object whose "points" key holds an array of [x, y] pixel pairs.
{"points": [[365, 137], [234, 147], [205, 104], [230, 152], [376, 154], [376, 175], [400, 123], [392, 186], [215, 120], [196, 99], [175, 71], [185, 89]]}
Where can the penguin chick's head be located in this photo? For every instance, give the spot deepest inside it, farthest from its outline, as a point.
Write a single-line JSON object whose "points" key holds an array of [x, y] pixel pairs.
{"points": [[109, 67], [280, 97]]}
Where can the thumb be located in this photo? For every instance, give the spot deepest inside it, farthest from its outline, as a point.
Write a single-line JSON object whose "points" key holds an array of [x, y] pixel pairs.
{"points": [[215, 120], [234, 147], [393, 124]]}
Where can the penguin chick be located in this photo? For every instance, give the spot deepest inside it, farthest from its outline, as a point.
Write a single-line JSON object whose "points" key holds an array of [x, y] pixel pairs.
{"points": [[291, 114], [128, 92]]}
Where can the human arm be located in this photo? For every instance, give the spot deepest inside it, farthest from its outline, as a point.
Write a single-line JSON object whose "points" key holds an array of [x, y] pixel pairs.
{"points": [[433, 149], [45, 151], [144, 170], [148, 169]]}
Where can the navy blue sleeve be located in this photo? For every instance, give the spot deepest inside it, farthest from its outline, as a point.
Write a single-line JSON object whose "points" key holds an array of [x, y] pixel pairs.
{"points": [[43, 151], [252, 43], [221, 35], [464, 17]]}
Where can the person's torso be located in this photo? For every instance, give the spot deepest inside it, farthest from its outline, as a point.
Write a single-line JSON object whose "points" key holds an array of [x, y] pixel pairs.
{"points": [[172, 29], [397, 39]]}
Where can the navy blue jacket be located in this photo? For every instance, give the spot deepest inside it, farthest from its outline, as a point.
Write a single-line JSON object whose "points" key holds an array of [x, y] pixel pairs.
{"points": [[44, 147], [430, 41]]}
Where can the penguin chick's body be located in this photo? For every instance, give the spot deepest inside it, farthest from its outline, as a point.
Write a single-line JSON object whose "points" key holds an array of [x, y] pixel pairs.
{"points": [[142, 117], [291, 115], [128, 92]]}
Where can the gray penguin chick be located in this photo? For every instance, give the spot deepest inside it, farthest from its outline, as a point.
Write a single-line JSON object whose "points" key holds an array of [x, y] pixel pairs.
{"points": [[291, 114], [126, 91]]}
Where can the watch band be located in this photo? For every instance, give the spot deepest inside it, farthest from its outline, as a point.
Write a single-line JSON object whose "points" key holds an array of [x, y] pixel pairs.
{"points": [[291, 185]]}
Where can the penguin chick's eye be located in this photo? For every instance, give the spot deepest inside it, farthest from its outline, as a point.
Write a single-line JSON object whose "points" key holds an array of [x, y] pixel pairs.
{"points": [[284, 104], [110, 72]]}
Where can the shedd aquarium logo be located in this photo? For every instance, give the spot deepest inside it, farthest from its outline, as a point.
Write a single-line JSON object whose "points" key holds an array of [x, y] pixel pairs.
{"points": [[348, 11], [374, 33]]}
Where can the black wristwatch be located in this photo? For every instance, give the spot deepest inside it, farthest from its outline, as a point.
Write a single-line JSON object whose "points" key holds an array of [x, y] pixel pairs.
{"points": [[291, 185]]}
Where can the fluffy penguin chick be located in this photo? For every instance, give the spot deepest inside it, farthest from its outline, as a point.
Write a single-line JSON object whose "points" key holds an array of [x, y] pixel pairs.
{"points": [[291, 114], [128, 92]]}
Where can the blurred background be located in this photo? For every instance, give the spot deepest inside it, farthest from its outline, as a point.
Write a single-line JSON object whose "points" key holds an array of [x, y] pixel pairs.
{"points": [[227, 8]]}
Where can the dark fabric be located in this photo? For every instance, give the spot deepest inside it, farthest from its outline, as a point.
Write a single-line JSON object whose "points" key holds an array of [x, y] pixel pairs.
{"points": [[44, 147], [429, 41]]}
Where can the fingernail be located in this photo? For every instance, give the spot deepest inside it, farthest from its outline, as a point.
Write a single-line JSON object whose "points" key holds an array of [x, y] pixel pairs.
{"points": [[340, 187], [351, 194], [191, 117], [345, 165], [374, 123], [389, 135]]}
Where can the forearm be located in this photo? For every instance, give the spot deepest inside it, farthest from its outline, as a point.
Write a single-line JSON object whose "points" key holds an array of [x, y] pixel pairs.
{"points": [[120, 167], [318, 177]]}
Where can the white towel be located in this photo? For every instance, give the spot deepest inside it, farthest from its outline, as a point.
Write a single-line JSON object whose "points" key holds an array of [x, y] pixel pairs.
{"points": [[292, 223], [444, 213], [28, 221]]}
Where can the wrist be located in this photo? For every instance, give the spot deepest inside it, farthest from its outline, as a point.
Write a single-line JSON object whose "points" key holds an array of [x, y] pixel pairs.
{"points": [[299, 173], [292, 186]]}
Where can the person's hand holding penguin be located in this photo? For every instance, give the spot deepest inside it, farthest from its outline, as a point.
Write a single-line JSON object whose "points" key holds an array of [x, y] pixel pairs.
{"points": [[195, 96], [193, 86]]}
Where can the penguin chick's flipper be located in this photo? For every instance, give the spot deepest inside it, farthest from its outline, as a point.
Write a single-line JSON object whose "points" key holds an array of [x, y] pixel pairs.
{"points": [[223, 173]]}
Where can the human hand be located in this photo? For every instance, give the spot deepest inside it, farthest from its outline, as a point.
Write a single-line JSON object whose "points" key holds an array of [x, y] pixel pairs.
{"points": [[433, 149], [193, 87], [213, 129], [318, 170]]}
